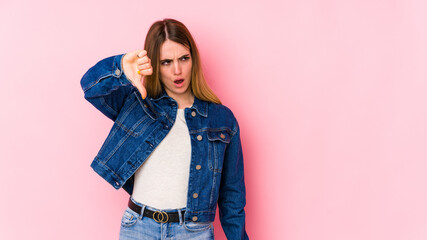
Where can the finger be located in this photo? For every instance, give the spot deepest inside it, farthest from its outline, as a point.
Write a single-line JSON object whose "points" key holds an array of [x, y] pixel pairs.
{"points": [[140, 87], [141, 53], [146, 72], [144, 66], [143, 93], [143, 60]]}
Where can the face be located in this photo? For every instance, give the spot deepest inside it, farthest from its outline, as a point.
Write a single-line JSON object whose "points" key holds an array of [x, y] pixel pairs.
{"points": [[175, 69]]}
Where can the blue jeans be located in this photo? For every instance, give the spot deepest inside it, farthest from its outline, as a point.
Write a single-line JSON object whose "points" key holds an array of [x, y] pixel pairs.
{"points": [[136, 227]]}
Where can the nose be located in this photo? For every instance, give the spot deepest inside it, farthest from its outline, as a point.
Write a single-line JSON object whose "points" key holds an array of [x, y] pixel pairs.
{"points": [[177, 68]]}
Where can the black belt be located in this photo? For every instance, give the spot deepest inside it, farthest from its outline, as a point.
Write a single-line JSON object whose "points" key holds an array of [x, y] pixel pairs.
{"points": [[158, 216]]}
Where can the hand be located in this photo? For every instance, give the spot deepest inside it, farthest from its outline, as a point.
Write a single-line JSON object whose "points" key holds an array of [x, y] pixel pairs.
{"points": [[137, 65]]}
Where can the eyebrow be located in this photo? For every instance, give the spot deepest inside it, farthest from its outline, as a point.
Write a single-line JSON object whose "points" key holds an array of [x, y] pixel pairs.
{"points": [[166, 59]]}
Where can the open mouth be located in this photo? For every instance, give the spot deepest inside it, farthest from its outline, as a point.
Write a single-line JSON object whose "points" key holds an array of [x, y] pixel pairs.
{"points": [[178, 83]]}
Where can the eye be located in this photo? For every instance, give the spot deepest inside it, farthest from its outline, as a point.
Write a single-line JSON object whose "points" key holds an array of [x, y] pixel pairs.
{"points": [[185, 58], [165, 62]]}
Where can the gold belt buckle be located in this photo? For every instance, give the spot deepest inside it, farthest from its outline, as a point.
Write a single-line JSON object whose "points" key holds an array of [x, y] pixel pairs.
{"points": [[160, 216]]}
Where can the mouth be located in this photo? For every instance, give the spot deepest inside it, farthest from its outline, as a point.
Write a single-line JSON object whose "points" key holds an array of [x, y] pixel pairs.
{"points": [[178, 82]]}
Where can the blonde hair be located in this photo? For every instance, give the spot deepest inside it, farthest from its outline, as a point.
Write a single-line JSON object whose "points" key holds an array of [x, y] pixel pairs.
{"points": [[175, 31]]}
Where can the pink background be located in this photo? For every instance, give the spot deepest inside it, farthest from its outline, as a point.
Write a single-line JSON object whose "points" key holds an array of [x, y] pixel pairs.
{"points": [[330, 96]]}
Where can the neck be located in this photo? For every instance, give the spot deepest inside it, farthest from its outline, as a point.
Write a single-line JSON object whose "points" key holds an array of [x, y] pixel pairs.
{"points": [[184, 100]]}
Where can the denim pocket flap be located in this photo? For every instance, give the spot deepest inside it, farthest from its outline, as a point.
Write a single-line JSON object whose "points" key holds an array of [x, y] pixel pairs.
{"points": [[223, 136]]}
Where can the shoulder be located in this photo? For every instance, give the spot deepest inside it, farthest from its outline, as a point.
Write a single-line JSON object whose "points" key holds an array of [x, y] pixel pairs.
{"points": [[221, 109], [223, 114]]}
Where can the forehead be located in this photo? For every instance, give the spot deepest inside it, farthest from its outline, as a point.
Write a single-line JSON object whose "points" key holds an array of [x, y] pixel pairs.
{"points": [[171, 49]]}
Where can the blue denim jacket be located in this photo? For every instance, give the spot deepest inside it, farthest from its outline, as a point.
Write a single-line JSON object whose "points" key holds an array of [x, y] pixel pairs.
{"points": [[141, 124]]}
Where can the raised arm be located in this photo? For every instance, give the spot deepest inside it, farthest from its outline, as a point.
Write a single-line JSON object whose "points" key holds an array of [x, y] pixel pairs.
{"points": [[108, 83]]}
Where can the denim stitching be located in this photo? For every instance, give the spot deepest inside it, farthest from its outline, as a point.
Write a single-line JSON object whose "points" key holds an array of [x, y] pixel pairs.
{"points": [[212, 190], [107, 168], [125, 114], [138, 97], [119, 144], [132, 132], [104, 103], [206, 129], [107, 141], [97, 81]]}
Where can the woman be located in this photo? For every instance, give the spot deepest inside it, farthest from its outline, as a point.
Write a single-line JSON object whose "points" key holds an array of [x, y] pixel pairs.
{"points": [[173, 147]]}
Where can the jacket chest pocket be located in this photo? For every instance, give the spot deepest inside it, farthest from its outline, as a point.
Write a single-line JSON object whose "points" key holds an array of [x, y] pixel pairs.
{"points": [[136, 127], [134, 121], [218, 142]]}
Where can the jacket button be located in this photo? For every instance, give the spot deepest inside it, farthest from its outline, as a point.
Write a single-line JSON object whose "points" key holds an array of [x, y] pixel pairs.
{"points": [[193, 113], [117, 72], [195, 195], [145, 105], [198, 167], [117, 184], [199, 137], [222, 136], [194, 218]]}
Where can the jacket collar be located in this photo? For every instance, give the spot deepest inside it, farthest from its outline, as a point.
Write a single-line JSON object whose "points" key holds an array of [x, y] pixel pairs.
{"points": [[199, 105], [162, 95]]}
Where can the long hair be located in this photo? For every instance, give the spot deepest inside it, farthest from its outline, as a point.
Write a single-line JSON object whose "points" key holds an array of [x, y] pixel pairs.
{"points": [[175, 31]]}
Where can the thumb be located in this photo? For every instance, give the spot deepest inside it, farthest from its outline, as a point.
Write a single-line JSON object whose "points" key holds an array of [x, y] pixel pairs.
{"points": [[140, 87]]}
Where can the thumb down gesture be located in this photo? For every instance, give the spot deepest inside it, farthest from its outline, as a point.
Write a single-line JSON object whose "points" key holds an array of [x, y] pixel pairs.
{"points": [[137, 65]]}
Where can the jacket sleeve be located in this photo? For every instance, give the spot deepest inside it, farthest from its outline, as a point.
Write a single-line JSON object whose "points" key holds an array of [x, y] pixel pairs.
{"points": [[232, 195], [106, 86]]}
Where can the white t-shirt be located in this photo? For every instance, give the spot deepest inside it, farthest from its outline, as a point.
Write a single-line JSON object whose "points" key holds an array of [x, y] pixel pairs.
{"points": [[162, 180]]}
